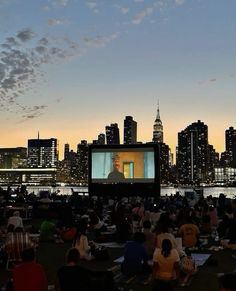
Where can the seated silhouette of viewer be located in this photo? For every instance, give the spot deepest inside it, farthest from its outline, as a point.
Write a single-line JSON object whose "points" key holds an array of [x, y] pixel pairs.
{"points": [[116, 175]]}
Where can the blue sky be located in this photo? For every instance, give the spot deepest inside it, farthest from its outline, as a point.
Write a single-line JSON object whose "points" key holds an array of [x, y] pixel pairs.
{"points": [[68, 68]]}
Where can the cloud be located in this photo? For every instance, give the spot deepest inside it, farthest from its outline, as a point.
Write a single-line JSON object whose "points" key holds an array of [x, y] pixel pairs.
{"points": [[124, 10], [58, 100], [100, 41], [33, 112], [179, 2], [207, 81], [61, 2], [43, 41], [138, 18], [23, 63], [54, 21], [91, 5], [138, 1], [25, 35]]}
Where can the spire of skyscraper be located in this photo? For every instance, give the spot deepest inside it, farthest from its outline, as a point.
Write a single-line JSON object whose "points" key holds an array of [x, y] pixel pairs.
{"points": [[158, 112], [158, 127]]}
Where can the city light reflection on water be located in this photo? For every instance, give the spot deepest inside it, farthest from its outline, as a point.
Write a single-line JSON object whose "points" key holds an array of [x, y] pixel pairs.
{"points": [[229, 192]]}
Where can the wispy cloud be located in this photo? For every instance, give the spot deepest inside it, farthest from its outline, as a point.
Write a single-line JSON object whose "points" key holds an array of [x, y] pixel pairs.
{"points": [[55, 21], [138, 18], [23, 58], [91, 4], [212, 80], [32, 112], [61, 2], [100, 41], [179, 2], [124, 10]]}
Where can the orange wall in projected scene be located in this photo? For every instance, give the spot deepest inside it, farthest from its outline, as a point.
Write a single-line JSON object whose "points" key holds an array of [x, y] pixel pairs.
{"points": [[137, 159]]}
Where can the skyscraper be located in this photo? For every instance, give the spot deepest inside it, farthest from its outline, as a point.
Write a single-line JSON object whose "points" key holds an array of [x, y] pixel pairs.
{"points": [[82, 153], [12, 158], [130, 130], [192, 153], [113, 134], [101, 138], [66, 151], [164, 149], [230, 145], [157, 128], [42, 153]]}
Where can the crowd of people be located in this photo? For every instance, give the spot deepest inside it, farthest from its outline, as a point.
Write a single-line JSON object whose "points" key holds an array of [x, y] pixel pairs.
{"points": [[158, 234]]}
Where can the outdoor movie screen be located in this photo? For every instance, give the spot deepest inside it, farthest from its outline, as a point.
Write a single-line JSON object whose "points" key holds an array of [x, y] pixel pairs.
{"points": [[123, 165]]}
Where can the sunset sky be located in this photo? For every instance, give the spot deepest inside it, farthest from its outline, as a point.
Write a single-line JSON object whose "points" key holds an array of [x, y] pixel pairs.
{"points": [[68, 68]]}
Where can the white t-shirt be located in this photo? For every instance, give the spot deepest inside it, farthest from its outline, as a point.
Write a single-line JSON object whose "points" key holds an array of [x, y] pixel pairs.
{"points": [[166, 269], [16, 221]]}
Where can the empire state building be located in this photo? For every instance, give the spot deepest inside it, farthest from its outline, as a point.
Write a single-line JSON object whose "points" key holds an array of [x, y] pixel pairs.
{"points": [[158, 129]]}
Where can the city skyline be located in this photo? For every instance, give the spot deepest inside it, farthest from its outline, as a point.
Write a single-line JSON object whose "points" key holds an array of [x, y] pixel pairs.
{"points": [[75, 67]]}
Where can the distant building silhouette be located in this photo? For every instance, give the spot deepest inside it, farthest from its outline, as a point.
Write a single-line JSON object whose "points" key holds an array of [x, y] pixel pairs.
{"points": [[113, 134], [42, 153], [230, 145], [101, 139], [195, 157], [12, 158], [66, 151], [130, 130], [82, 153]]}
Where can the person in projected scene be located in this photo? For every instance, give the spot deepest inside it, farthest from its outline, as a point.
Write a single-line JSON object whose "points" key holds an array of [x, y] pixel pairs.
{"points": [[116, 175]]}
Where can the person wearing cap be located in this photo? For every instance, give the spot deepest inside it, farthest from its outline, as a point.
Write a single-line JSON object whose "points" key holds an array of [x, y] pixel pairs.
{"points": [[15, 220], [116, 175]]}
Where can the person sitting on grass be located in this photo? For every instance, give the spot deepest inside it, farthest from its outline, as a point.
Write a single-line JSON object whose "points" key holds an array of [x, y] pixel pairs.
{"points": [[29, 275], [48, 230], [165, 267], [81, 241], [187, 267], [227, 282], [135, 256], [72, 277]]}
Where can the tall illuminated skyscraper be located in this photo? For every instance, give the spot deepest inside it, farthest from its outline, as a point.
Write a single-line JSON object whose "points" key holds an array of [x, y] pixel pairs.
{"points": [[192, 153], [164, 149], [66, 151], [113, 134], [230, 145], [42, 153], [158, 128], [130, 130]]}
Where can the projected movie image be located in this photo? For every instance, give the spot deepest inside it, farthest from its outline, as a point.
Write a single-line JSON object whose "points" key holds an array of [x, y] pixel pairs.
{"points": [[123, 166]]}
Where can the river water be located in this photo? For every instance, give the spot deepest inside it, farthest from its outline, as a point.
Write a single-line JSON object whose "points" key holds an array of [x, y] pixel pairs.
{"points": [[230, 192]]}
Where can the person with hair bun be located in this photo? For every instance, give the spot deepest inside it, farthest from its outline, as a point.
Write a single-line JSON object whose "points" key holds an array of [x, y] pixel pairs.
{"points": [[165, 266]]}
